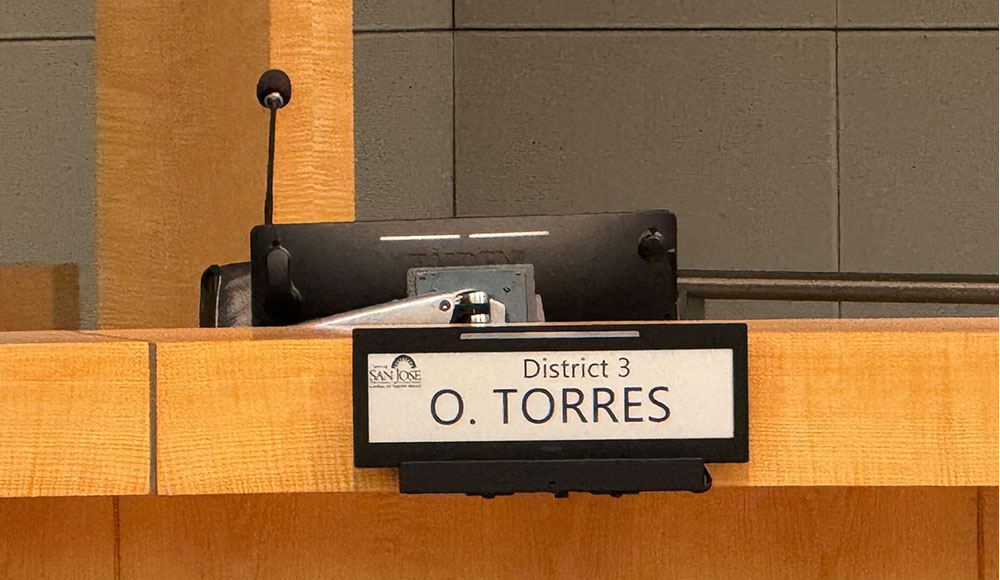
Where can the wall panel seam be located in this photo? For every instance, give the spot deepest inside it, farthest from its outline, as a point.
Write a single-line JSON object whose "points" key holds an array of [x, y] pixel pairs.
{"points": [[152, 419], [46, 38], [836, 132], [454, 120], [641, 28], [388, 30]]}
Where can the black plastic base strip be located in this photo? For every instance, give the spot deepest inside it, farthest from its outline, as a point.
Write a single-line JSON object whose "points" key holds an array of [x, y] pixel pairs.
{"points": [[600, 476]]}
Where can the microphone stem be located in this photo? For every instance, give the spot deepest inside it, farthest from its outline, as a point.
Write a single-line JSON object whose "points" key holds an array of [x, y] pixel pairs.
{"points": [[269, 196]]}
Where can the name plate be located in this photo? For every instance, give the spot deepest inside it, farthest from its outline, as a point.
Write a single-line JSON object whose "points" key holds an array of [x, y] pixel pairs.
{"points": [[568, 392]]}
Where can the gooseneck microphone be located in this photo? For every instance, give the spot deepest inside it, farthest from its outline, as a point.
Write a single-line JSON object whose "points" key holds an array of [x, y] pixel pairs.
{"points": [[282, 300], [274, 90]]}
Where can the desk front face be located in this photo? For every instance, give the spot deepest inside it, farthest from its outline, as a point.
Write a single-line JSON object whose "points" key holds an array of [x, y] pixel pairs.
{"points": [[74, 415], [832, 402]]}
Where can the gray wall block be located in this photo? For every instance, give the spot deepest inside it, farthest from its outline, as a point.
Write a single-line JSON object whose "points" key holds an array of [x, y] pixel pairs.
{"points": [[917, 13], [733, 131], [401, 14], [918, 152], [643, 14], [47, 158], [31, 18], [403, 114]]}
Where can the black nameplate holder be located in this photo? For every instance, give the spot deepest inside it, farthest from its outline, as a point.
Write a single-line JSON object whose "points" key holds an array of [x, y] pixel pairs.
{"points": [[598, 408]]}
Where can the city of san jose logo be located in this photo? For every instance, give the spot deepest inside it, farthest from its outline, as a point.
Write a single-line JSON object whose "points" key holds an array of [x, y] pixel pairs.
{"points": [[401, 372]]}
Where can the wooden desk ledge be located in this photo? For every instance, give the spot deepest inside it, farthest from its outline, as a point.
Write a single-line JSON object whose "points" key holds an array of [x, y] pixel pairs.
{"points": [[832, 403], [74, 415]]}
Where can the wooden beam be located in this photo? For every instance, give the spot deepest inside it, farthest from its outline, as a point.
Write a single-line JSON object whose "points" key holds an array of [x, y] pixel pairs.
{"points": [[313, 41], [847, 403], [39, 297], [181, 148], [74, 415], [182, 141], [750, 533]]}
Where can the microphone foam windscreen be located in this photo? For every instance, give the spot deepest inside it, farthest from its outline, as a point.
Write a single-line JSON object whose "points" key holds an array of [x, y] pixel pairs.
{"points": [[274, 81]]}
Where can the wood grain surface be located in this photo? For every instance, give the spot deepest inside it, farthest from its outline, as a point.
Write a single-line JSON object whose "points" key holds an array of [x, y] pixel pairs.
{"points": [[58, 538], [74, 415], [39, 297], [269, 410], [248, 410], [752, 533], [313, 41], [182, 140], [871, 407], [257, 416], [181, 150], [242, 411]]}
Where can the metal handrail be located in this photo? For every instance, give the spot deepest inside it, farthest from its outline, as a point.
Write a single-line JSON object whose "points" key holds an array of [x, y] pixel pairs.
{"points": [[695, 286]]}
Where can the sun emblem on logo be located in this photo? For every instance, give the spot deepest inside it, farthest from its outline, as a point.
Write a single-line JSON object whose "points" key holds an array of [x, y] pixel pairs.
{"points": [[403, 359]]}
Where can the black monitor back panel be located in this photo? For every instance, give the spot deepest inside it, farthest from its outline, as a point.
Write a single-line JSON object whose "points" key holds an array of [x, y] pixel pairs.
{"points": [[588, 267]]}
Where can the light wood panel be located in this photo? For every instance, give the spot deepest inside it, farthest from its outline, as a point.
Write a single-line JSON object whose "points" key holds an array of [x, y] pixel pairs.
{"points": [[257, 416], [313, 41], [74, 415], [182, 141], [39, 297], [57, 538], [181, 150], [751, 533], [831, 403], [871, 407], [280, 426]]}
